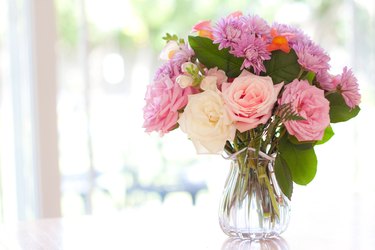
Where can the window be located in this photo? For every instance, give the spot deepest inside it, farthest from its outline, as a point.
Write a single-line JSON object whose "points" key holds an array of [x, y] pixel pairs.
{"points": [[71, 118], [29, 170]]}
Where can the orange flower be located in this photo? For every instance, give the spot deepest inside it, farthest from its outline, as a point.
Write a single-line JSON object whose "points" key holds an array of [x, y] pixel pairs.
{"points": [[204, 29], [279, 42], [235, 14]]}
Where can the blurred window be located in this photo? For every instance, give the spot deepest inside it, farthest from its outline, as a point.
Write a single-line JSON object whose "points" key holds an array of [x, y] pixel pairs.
{"points": [[107, 53]]}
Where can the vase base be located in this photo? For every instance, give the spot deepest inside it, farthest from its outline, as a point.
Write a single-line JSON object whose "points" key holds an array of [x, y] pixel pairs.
{"points": [[251, 235]]}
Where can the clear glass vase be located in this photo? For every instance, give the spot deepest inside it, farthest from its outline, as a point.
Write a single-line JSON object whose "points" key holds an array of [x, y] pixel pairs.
{"points": [[252, 205]]}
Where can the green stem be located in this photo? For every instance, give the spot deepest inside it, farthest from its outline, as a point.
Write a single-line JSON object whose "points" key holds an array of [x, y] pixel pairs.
{"points": [[300, 73], [263, 175]]}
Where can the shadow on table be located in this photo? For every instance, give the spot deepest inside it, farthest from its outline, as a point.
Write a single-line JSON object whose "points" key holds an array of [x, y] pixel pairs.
{"points": [[269, 244]]}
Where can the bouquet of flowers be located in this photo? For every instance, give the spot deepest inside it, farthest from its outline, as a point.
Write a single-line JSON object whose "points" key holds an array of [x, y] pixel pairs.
{"points": [[244, 84]]}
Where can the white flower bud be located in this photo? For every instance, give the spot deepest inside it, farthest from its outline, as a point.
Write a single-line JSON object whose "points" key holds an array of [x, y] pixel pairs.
{"points": [[184, 81], [188, 65]]}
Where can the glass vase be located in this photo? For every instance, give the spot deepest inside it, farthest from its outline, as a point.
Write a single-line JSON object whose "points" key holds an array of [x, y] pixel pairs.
{"points": [[252, 205]]}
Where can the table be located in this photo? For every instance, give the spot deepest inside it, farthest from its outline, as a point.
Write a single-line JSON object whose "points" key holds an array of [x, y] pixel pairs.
{"points": [[322, 227]]}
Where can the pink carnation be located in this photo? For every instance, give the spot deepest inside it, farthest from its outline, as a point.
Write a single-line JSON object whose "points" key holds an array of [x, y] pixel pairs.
{"points": [[309, 102], [163, 100], [250, 99]]}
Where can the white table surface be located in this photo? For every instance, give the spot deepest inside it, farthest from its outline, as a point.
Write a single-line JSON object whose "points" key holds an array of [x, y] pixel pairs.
{"points": [[193, 228]]}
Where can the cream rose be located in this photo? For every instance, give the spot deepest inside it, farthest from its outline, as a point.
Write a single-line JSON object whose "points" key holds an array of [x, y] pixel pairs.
{"points": [[206, 122], [249, 99]]}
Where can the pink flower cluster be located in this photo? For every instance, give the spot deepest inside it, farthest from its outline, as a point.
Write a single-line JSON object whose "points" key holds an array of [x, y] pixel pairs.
{"points": [[209, 106]]}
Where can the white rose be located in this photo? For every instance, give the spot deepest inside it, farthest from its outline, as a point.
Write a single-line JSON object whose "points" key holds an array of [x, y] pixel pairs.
{"points": [[206, 122]]}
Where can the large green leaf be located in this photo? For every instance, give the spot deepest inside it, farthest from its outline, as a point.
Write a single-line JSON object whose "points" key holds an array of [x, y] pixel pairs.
{"points": [[339, 111], [283, 176], [328, 133], [300, 144], [210, 55], [282, 67], [302, 162]]}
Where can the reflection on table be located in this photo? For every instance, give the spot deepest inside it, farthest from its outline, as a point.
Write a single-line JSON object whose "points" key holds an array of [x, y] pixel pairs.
{"points": [[320, 225], [277, 243]]}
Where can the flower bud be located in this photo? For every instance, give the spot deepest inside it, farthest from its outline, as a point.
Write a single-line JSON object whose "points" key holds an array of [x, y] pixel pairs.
{"points": [[188, 66], [184, 81]]}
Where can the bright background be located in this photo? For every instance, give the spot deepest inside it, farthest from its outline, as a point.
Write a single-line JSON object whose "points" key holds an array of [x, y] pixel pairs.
{"points": [[73, 74]]}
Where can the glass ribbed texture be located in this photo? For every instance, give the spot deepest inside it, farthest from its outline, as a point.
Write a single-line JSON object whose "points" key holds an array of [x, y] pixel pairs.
{"points": [[252, 205]]}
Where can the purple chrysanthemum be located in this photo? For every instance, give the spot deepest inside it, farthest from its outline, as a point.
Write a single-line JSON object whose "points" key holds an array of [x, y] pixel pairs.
{"points": [[227, 32], [256, 25], [326, 81], [254, 49], [349, 88], [311, 56], [183, 55], [293, 34]]}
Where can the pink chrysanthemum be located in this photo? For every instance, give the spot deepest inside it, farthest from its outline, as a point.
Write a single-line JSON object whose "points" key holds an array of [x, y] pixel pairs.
{"points": [[254, 49], [326, 81], [183, 55], [293, 34], [256, 25], [349, 88], [163, 100], [311, 56], [227, 32]]}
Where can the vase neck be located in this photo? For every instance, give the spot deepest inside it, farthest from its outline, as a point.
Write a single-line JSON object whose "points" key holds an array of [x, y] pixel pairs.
{"points": [[251, 150]]}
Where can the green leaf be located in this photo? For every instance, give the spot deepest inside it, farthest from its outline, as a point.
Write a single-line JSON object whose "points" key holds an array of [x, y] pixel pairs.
{"points": [[283, 176], [328, 133], [339, 111], [210, 55], [283, 67], [168, 37], [301, 162], [300, 144]]}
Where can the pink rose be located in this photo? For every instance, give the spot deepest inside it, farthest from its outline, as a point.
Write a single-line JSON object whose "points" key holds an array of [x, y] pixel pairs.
{"points": [[249, 99], [309, 102], [163, 100]]}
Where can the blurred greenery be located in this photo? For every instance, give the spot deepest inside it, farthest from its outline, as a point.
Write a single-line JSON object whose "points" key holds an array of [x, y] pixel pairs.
{"points": [[67, 22], [151, 19]]}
